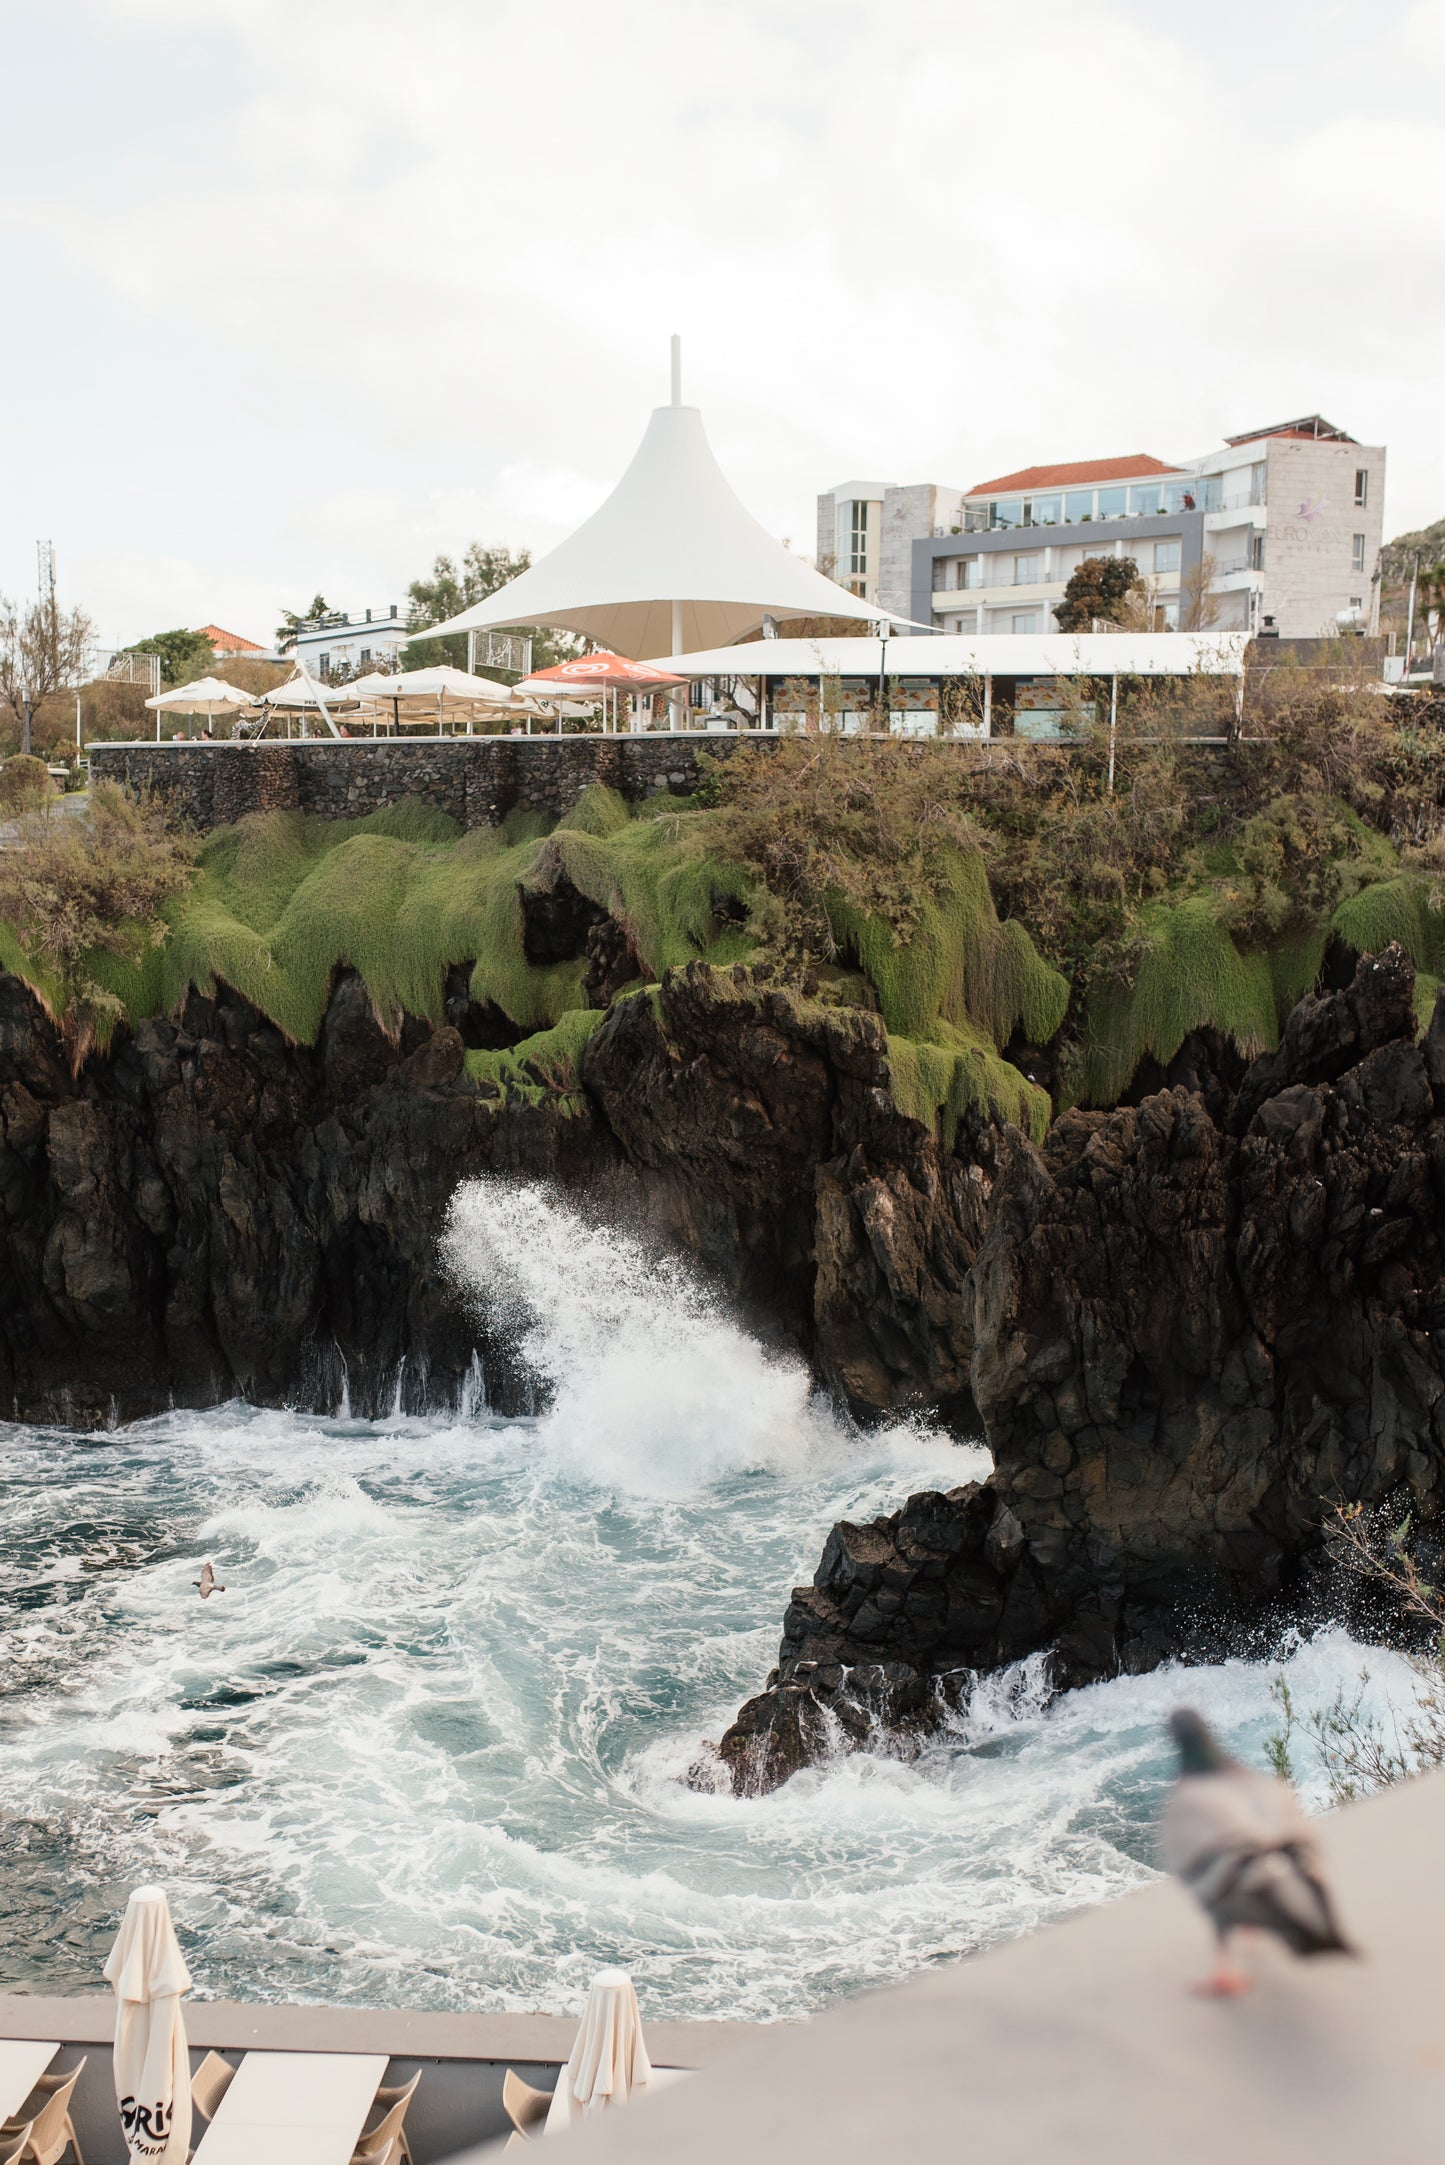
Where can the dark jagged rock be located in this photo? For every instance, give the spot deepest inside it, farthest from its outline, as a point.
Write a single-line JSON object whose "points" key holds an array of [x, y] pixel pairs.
{"points": [[214, 1211], [1189, 1332]]}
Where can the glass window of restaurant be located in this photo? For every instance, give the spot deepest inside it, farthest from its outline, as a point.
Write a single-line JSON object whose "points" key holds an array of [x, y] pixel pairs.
{"points": [[1113, 503], [1009, 511], [1144, 497], [1079, 505], [1043, 510]]}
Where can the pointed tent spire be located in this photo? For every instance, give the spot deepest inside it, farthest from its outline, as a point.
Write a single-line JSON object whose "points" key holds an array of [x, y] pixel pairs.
{"points": [[672, 527]]}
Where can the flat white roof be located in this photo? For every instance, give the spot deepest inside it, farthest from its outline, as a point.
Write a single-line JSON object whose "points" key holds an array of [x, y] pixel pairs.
{"points": [[991, 654]]}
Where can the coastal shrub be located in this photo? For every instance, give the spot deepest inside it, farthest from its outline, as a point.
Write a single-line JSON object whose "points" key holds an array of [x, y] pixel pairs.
{"points": [[78, 895], [25, 782]]}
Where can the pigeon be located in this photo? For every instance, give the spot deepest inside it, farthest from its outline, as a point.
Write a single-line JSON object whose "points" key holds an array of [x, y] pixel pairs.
{"points": [[208, 1582], [1238, 1840]]}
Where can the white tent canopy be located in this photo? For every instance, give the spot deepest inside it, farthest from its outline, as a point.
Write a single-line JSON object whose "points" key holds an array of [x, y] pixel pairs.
{"points": [[671, 560], [993, 654]]}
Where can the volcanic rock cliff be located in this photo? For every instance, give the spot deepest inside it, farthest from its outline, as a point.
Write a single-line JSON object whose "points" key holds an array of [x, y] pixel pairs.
{"points": [[1195, 1321], [1182, 1323]]}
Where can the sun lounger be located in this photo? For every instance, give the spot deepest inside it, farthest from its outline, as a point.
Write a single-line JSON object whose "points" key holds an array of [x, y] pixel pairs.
{"points": [[293, 2108], [23, 2061]]}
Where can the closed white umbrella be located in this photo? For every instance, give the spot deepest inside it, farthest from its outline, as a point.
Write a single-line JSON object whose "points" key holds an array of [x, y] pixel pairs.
{"points": [[609, 2060], [152, 2069]]}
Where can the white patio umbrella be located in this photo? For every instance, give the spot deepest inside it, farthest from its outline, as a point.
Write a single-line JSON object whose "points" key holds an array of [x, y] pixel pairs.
{"points": [[415, 690], [208, 696], [302, 693], [152, 2069], [609, 2060]]}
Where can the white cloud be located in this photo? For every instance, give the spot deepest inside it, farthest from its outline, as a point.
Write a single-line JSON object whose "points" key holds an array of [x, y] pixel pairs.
{"points": [[386, 280]]}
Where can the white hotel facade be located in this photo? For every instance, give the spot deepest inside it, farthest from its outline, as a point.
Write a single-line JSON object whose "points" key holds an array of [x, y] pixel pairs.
{"points": [[1290, 519]]}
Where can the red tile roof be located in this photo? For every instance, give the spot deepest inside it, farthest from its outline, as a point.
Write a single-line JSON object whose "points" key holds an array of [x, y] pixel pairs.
{"points": [[1078, 475], [227, 642]]}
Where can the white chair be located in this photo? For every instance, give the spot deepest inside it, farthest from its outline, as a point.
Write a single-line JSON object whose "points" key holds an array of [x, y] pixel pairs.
{"points": [[386, 2143], [52, 2131], [525, 2107]]}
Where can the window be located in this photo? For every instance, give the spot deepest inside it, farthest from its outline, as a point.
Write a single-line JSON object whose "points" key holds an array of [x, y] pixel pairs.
{"points": [[366, 650], [970, 571], [1256, 552], [1357, 601], [940, 573], [1362, 486], [1166, 556], [1357, 552], [1026, 571], [1043, 510], [1144, 499], [1079, 505], [858, 538], [1113, 503], [1021, 624], [967, 622], [1009, 511]]}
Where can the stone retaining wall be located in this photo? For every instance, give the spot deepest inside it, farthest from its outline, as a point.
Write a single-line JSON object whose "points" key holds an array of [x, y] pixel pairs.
{"points": [[478, 780]]}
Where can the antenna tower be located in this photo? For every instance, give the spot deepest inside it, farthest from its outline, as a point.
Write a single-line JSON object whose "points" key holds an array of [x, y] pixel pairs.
{"points": [[45, 558]]}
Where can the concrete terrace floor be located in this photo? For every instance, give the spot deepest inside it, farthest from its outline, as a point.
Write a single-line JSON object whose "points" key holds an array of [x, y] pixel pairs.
{"points": [[1084, 2043]]}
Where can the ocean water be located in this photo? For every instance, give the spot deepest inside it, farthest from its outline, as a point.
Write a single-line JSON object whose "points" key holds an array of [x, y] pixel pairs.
{"points": [[429, 1747]]}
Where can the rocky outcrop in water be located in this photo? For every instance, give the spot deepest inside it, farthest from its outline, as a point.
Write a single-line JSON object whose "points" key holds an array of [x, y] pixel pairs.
{"points": [[1192, 1320]]}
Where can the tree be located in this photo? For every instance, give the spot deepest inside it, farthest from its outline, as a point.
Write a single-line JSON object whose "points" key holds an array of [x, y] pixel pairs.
{"points": [[184, 655], [1198, 604], [450, 589], [1099, 588], [291, 623], [40, 652]]}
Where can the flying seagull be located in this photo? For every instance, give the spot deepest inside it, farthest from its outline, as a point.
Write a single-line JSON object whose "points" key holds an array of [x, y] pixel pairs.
{"points": [[1240, 1843], [208, 1582]]}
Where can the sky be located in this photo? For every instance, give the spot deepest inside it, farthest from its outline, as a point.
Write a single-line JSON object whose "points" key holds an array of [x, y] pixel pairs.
{"points": [[302, 292]]}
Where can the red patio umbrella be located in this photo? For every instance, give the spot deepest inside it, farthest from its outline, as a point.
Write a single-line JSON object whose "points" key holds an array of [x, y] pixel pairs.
{"points": [[601, 672]]}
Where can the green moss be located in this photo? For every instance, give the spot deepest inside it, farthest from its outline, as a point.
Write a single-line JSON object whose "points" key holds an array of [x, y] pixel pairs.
{"points": [[950, 1071], [1395, 909], [282, 900], [1191, 976], [960, 966], [544, 1066]]}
